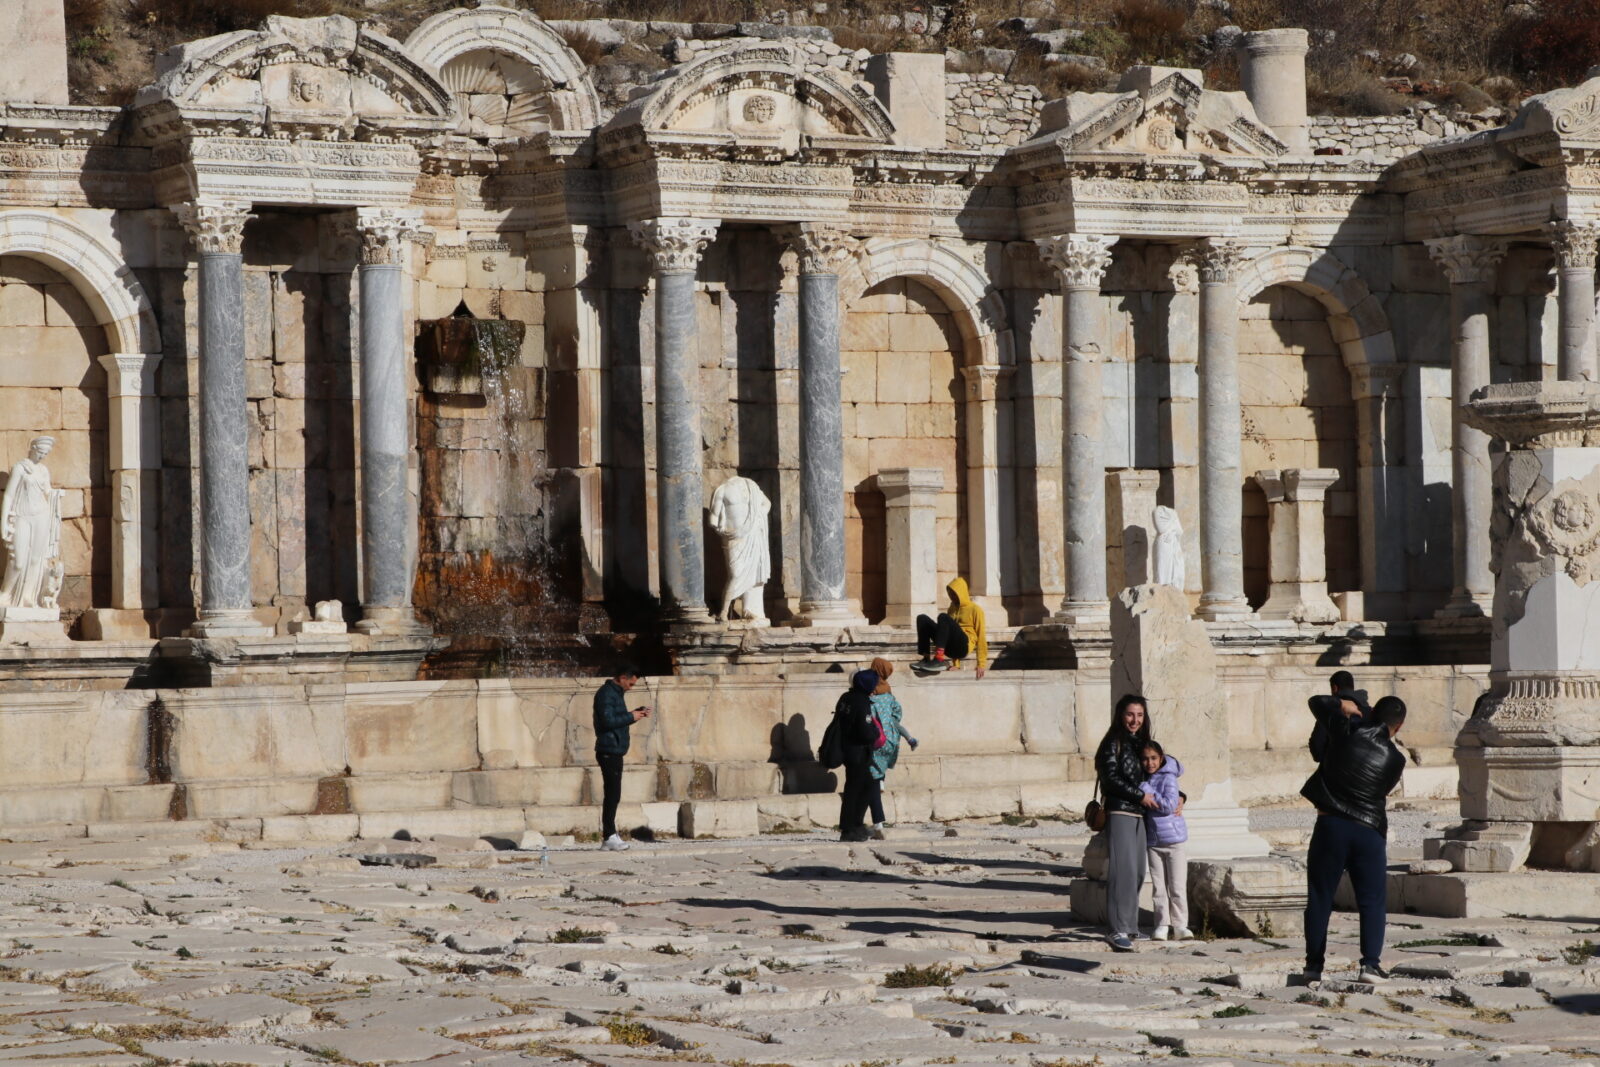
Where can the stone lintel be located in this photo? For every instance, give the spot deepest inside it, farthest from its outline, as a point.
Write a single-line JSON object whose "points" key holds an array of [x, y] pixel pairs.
{"points": [[1557, 414]]}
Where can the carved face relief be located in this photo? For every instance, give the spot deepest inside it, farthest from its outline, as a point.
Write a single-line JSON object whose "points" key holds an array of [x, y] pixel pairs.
{"points": [[1570, 530], [760, 110], [307, 89], [1161, 135]]}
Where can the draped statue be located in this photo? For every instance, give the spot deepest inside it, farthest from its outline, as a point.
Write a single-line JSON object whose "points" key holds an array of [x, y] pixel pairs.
{"points": [[30, 528], [1169, 548], [739, 512]]}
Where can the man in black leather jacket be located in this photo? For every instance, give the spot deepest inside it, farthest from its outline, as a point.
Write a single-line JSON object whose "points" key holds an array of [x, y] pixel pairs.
{"points": [[1360, 767]]}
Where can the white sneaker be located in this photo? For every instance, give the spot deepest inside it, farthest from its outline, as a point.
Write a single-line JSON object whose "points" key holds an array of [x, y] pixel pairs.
{"points": [[614, 843], [1159, 934], [1183, 933]]}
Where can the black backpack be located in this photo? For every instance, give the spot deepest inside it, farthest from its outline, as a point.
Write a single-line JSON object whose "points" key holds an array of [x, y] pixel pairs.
{"points": [[831, 752]]}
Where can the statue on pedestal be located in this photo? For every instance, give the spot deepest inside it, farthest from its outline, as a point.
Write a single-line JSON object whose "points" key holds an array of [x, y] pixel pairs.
{"points": [[1169, 569], [30, 528], [739, 511]]}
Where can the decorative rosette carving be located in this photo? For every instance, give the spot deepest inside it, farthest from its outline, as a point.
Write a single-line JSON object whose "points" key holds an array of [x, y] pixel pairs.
{"points": [[215, 226], [1567, 525], [675, 244], [1081, 259], [1574, 243], [1466, 259], [1184, 274], [384, 231], [821, 249]]}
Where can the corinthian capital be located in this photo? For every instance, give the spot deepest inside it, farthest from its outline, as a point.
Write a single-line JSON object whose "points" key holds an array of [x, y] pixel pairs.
{"points": [[1218, 259], [1466, 259], [215, 226], [821, 249], [1080, 258], [1574, 243], [384, 231], [674, 245]]}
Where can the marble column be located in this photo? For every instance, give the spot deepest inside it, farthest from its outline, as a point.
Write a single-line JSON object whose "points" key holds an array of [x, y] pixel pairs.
{"points": [[217, 229], [988, 466], [1297, 561], [388, 525], [1377, 390], [1081, 260], [1469, 263], [1221, 480], [823, 252], [134, 457], [1574, 246], [675, 246], [911, 549]]}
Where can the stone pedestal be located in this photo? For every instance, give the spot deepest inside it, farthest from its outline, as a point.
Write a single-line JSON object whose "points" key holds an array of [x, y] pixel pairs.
{"points": [[1130, 529], [1529, 757], [32, 626], [910, 500], [1297, 559]]}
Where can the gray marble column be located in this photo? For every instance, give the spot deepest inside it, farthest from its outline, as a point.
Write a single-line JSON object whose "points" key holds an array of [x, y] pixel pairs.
{"points": [[217, 229], [675, 246], [1081, 260], [1574, 245], [1221, 480], [388, 524], [1469, 263], [822, 251]]}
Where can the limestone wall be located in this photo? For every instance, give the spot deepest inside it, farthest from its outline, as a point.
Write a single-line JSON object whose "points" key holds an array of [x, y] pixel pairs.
{"points": [[1017, 741], [986, 111]]}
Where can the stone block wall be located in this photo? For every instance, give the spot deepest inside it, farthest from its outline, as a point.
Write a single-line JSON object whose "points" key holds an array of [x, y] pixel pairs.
{"points": [[52, 383], [903, 407], [986, 111], [1294, 394]]}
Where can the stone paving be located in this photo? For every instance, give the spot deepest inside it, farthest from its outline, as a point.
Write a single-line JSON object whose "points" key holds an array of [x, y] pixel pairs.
{"points": [[939, 945]]}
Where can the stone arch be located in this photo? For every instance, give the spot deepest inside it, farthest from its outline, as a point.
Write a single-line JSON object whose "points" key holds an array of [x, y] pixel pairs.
{"points": [[776, 66], [113, 293], [978, 313], [977, 306], [455, 42], [1354, 315]]}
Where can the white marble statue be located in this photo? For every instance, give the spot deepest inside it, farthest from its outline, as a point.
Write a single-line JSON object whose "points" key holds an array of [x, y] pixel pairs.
{"points": [[30, 527], [739, 512], [1168, 548]]}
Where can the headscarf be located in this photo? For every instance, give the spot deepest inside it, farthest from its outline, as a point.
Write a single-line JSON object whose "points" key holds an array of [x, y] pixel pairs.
{"points": [[883, 668], [865, 681]]}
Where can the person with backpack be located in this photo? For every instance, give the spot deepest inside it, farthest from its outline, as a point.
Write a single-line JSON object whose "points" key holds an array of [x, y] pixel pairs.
{"points": [[851, 739], [1350, 790], [888, 711], [1121, 777]]}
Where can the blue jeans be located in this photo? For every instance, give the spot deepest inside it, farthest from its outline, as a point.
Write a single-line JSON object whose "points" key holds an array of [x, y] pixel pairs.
{"points": [[1339, 845]]}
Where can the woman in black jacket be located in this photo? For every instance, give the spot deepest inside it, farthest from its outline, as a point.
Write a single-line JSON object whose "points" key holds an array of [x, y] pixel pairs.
{"points": [[1116, 763], [859, 733]]}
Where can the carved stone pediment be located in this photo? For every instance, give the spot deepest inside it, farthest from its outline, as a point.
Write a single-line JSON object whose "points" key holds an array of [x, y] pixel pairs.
{"points": [[1159, 112], [761, 99], [1572, 114], [323, 78]]}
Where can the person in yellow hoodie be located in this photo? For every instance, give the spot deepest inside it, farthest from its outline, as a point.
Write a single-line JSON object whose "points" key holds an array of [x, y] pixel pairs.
{"points": [[944, 642]]}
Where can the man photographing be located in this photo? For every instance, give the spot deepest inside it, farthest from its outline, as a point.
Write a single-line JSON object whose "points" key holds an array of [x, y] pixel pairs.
{"points": [[1361, 765], [612, 721]]}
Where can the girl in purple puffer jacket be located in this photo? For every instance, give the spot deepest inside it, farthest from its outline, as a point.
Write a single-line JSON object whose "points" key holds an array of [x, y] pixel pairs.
{"points": [[1166, 835]]}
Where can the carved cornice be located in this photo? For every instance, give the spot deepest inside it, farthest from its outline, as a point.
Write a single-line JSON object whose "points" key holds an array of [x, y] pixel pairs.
{"points": [[1574, 243], [1537, 414], [674, 244], [1218, 259], [1466, 259], [1081, 259], [821, 249], [384, 231], [215, 226]]}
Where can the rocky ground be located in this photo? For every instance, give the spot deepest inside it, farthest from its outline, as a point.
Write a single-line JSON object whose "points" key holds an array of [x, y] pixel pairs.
{"points": [[940, 945]]}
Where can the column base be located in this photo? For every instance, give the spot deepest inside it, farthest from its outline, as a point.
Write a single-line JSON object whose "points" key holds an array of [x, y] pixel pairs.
{"points": [[1214, 607], [1463, 605], [396, 622], [1301, 605], [1083, 612], [237, 623], [833, 614]]}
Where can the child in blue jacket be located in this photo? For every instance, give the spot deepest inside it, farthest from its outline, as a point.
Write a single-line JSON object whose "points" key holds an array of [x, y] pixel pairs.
{"points": [[1166, 835]]}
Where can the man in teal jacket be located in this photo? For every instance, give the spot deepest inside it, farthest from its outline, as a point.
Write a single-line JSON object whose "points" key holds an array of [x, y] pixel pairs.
{"points": [[612, 721]]}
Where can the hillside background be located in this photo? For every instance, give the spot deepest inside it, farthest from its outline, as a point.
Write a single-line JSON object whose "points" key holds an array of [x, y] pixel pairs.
{"points": [[1368, 57]]}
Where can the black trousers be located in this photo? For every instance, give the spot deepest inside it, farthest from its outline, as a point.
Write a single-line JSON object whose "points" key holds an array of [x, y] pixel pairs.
{"points": [[944, 633], [858, 782], [611, 782]]}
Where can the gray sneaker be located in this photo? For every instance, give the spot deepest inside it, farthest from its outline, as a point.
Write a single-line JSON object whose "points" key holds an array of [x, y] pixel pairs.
{"points": [[1373, 975], [1120, 942]]}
